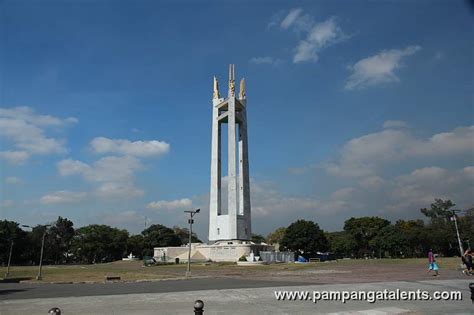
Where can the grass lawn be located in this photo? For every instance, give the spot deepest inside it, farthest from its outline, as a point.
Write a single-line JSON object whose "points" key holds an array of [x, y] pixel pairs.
{"points": [[134, 270]]}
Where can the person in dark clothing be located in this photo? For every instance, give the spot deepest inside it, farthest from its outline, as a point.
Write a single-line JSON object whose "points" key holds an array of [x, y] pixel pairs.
{"points": [[467, 260]]}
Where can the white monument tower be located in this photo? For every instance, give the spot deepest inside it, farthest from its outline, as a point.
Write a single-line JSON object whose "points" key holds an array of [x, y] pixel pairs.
{"points": [[236, 224]]}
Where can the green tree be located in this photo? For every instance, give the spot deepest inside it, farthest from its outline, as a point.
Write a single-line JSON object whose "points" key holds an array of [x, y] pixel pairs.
{"points": [[183, 234], [257, 238], [466, 228], [305, 238], [417, 237], [439, 209], [136, 245], [276, 236], [99, 243], [364, 230], [34, 240], [158, 235], [391, 240], [342, 244], [441, 230], [9, 231], [60, 237]]}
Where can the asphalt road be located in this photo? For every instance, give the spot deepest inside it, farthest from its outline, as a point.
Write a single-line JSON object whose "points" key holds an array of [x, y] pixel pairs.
{"points": [[253, 300], [9, 291]]}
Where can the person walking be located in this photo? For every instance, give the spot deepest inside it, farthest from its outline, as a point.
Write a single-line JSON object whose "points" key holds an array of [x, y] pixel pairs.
{"points": [[467, 261], [433, 266]]}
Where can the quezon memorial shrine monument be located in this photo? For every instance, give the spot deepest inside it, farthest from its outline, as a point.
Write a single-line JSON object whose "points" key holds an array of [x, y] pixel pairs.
{"points": [[229, 233]]}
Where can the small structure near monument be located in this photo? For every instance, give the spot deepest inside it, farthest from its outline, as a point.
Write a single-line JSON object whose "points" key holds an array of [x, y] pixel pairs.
{"points": [[130, 257]]}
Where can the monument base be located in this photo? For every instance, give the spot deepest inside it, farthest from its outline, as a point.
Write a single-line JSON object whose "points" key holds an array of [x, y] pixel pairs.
{"points": [[221, 251], [232, 250]]}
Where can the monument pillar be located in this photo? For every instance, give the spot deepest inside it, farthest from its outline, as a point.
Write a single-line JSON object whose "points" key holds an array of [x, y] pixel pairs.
{"points": [[236, 224]]}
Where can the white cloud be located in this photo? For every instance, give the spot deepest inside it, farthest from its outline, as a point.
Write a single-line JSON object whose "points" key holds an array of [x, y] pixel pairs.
{"points": [[126, 147], [28, 115], [63, 196], [12, 180], [372, 182], [118, 189], [291, 18], [420, 187], [179, 204], [106, 169], [319, 37], [71, 167], [379, 68], [25, 130], [268, 201], [115, 175], [365, 155], [124, 218], [15, 157]]}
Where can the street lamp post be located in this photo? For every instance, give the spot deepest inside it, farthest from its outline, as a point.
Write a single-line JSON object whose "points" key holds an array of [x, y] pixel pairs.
{"points": [[457, 231], [39, 276], [9, 255], [190, 221], [9, 260]]}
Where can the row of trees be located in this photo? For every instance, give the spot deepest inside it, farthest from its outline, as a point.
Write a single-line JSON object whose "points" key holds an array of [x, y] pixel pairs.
{"points": [[89, 244], [377, 237], [361, 237]]}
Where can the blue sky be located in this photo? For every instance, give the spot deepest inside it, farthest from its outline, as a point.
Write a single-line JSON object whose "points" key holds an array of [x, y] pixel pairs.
{"points": [[354, 108]]}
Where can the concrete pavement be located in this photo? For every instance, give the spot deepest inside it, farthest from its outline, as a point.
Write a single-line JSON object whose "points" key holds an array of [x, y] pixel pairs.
{"points": [[250, 301]]}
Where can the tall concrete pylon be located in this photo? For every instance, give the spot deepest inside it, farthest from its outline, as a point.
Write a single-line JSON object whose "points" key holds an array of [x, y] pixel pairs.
{"points": [[236, 224]]}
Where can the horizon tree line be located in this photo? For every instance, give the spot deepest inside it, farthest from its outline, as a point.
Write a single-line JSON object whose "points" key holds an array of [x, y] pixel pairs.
{"points": [[360, 237]]}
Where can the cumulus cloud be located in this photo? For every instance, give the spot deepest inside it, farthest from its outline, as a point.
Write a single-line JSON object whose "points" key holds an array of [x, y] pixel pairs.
{"points": [[15, 157], [126, 147], [179, 204], [379, 68], [115, 175], [420, 187], [28, 115], [124, 218], [25, 131], [365, 155], [291, 18], [320, 36], [63, 196], [118, 189], [317, 36]]}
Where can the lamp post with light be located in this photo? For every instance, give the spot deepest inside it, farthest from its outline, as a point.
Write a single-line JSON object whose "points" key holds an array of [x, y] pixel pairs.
{"points": [[190, 221]]}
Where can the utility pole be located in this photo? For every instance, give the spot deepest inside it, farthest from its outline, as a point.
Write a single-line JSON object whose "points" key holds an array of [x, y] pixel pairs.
{"points": [[190, 221]]}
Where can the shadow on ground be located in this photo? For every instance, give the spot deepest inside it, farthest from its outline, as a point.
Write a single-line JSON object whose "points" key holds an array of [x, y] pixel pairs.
{"points": [[10, 291], [15, 280]]}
